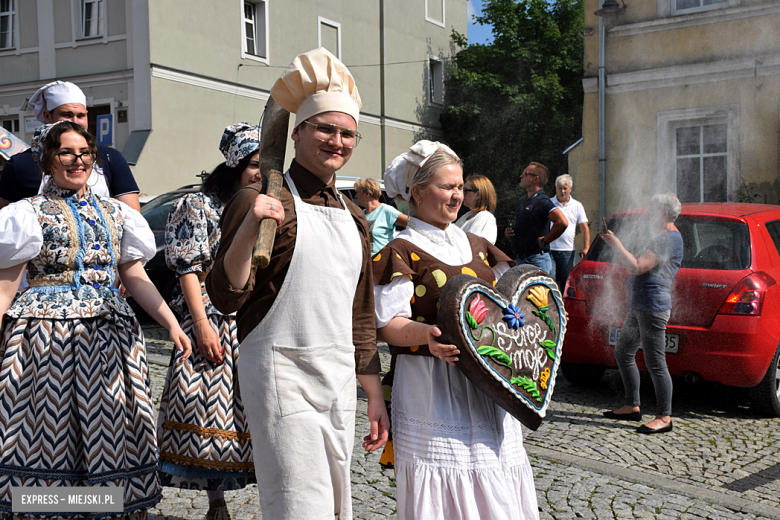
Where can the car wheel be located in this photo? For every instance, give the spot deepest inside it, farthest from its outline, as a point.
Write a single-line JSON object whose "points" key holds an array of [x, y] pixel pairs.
{"points": [[582, 374], [766, 395]]}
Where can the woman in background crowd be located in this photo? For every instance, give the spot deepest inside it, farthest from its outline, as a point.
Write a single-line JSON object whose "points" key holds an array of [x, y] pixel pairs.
{"points": [[649, 308], [458, 455], [479, 196], [74, 374], [382, 218], [203, 433]]}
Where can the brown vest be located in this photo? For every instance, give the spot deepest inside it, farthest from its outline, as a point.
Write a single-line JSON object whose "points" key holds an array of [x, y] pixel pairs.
{"points": [[402, 258]]}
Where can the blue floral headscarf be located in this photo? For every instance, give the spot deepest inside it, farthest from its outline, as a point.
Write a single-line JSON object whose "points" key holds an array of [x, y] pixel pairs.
{"points": [[238, 141], [39, 139]]}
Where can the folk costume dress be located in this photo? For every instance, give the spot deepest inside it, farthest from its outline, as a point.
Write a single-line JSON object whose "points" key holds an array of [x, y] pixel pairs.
{"points": [[458, 455], [202, 429], [75, 401]]}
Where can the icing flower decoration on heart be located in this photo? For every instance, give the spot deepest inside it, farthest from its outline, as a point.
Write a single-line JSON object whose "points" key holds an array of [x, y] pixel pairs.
{"points": [[538, 296], [477, 309], [544, 377], [513, 317]]}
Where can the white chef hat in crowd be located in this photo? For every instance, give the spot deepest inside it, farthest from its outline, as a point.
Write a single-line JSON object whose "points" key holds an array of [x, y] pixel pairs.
{"points": [[400, 174], [317, 82], [55, 94]]}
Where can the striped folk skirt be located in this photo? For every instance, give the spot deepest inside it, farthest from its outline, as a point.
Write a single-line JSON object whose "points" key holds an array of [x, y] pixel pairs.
{"points": [[75, 409], [203, 432]]}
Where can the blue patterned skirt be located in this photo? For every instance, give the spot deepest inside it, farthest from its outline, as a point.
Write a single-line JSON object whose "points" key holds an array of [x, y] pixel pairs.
{"points": [[75, 409], [203, 433]]}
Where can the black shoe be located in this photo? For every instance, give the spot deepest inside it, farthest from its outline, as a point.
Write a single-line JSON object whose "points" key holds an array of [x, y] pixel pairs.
{"points": [[663, 429], [632, 416]]}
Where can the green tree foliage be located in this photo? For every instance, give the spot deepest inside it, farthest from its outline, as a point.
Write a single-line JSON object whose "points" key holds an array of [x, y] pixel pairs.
{"points": [[518, 99]]}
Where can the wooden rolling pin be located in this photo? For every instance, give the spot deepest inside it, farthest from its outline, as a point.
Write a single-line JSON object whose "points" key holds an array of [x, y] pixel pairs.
{"points": [[273, 142]]}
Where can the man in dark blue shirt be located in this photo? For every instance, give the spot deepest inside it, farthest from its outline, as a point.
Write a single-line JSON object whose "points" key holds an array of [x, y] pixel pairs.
{"points": [[54, 102], [537, 221]]}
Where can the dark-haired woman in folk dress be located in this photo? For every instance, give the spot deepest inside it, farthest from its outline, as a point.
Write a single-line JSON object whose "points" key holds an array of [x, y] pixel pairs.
{"points": [[204, 436]]}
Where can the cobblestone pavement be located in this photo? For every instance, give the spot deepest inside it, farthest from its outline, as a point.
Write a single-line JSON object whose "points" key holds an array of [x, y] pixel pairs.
{"points": [[721, 460]]}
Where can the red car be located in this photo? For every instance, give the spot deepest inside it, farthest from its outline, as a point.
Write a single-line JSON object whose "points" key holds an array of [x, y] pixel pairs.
{"points": [[725, 321]]}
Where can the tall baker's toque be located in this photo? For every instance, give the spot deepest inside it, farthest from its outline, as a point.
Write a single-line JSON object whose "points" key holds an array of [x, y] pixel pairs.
{"points": [[317, 82]]}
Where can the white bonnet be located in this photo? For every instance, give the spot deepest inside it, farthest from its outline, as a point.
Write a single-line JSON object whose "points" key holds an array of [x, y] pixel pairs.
{"points": [[399, 175]]}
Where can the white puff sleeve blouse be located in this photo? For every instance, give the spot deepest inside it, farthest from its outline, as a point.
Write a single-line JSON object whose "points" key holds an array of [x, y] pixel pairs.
{"points": [[21, 238], [137, 237], [482, 224]]}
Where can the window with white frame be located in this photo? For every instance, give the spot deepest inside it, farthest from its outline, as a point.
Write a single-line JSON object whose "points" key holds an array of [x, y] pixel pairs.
{"points": [[435, 80], [12, 125], [91, 18], [698, 153], [7, 23], [701, 158], [434, 12], [329, 35], [692, 6], [255, 29]]}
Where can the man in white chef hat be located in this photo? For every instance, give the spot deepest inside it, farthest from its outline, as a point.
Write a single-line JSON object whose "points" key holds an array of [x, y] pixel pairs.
{"points": [[111, 176], [306, 322]]}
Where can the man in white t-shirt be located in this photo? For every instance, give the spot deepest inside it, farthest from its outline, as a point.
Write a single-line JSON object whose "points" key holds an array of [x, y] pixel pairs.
{"points": [[562, 249]]}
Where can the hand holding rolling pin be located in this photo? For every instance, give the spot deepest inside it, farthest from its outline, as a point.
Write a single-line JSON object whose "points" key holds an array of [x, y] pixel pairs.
{"points": [[267, 206]]}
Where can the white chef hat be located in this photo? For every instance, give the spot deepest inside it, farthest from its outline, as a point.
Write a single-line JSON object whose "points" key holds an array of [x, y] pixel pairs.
{"points": [[317, 82], [56, 93], [400, 174]]}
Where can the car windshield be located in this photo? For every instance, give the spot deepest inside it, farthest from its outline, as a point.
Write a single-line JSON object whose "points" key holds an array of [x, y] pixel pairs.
{"points": [[707, 243]]}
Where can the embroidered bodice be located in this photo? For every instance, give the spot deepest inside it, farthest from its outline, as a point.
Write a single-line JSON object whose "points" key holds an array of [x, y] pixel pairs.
{"points": [[74, 272]]}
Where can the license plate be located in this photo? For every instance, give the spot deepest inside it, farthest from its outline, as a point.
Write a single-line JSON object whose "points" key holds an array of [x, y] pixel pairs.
{"points": [[672, 340]]}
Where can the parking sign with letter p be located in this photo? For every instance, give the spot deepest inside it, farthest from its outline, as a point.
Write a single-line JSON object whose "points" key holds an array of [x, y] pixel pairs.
{"points": [[105, 130]]}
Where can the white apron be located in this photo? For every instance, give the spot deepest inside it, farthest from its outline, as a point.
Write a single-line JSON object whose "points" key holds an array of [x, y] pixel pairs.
{"points": [[297, 373]]}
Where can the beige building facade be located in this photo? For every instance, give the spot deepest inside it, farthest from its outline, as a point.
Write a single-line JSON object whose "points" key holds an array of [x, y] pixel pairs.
{"points": [[691, 104], [173, 73]]}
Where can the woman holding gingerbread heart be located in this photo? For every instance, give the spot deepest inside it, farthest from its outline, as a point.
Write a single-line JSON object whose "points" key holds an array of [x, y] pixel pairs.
{"points": [[456, 453]]}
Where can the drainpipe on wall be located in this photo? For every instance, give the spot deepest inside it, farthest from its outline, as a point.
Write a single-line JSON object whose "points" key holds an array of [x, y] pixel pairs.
{"points": [[382, 82], [602, 146]]}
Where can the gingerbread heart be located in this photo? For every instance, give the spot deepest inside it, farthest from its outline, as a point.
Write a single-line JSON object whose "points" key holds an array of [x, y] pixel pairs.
{"points": [[510, 337]]}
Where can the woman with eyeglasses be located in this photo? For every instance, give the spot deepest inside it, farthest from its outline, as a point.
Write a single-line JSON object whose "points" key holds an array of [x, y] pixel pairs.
{"points": [[457, 454], [479, 196], [202, 427], [74, 380]]}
